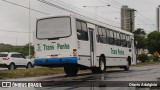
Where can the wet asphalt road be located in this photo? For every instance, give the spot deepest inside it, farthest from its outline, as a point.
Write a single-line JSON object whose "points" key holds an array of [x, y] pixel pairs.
{"points": [[88, 81]]}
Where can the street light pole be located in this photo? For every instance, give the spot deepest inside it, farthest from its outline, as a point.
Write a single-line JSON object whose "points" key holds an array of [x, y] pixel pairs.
{"points": [[29, 44]]}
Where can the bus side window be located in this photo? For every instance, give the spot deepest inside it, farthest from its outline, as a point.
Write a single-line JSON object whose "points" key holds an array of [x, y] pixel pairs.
{"points": [[111, 39], [118, 39], [97, 35], [103, 36], [115, 38], [85, 31], [100, 34], [129, 42], [78, 25], [123, 40], [82, 32], [107, 36], [126, 42]]}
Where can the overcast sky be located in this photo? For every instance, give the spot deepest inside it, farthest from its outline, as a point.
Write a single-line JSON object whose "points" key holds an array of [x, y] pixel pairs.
{"points": [[16, 18]]}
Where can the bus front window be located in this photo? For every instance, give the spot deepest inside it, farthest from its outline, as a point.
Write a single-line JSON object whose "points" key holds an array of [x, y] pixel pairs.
{"points": [[51, 28]]}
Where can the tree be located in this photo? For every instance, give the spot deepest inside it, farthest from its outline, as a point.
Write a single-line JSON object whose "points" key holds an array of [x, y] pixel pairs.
{"points": [[139, 32], [141, 42], [26, 49], [139, 36], [21, 49], [153, 42], [143, 57]]}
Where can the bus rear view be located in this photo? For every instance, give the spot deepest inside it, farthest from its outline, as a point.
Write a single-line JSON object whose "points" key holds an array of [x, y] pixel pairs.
{"points": [[59, 38], [55, 43]]}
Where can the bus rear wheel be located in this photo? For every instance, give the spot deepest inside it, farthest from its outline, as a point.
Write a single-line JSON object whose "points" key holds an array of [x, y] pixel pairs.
{"points": [[71, 69]]}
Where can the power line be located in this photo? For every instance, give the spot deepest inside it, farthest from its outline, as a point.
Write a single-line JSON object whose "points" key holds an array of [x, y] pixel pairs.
{"points": [[108, 3], [143, 20], [114, 3], [48, 3], [54, 5], [144, 17], [117, 2], [13, 31], [24, 7], [80, 10]]}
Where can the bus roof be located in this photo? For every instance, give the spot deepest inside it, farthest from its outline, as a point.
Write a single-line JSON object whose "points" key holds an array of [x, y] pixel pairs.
{"points": [[101, 23], [90, 20]]}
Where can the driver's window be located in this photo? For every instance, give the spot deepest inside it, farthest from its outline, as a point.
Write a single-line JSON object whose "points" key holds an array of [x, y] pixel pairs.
{"points": [[82, 32]]}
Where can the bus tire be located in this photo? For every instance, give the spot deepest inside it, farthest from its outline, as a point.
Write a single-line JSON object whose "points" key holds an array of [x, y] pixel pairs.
{"points": [[95, 70], [126, 68], [102, 64], [71, 69]]}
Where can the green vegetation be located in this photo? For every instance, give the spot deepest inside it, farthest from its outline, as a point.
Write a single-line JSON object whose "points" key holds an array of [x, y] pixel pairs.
{"points": [[139, 36], [143, 57], [33, 72], [153, 42], [21, 49], [147, 63]]}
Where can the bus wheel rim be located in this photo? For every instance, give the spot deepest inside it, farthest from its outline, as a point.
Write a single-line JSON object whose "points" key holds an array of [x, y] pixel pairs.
{"points": [[102, 65]]}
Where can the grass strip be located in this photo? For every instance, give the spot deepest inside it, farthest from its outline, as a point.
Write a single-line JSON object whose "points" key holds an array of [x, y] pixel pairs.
{"points": [[148, 63], [33, 72]]}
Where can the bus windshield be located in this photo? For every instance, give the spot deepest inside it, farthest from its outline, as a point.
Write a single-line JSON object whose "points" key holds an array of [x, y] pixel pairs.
{"points": [[55, 27]]}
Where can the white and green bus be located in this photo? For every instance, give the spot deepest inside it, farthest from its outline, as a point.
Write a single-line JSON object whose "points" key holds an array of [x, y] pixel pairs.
{"points": [[77, 42]]}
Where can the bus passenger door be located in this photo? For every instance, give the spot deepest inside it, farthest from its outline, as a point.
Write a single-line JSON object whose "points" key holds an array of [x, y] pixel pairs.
{"points": [[92, 39], [83, 43], [91, 46]]}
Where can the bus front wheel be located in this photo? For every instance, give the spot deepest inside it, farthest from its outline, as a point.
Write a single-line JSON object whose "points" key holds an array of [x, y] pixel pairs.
{"points": [[126, 68], [71, 69], [102, 66]]}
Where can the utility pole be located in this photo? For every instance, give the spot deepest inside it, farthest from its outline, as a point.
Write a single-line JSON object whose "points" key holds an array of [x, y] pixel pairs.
{"points": [[29, 51]]}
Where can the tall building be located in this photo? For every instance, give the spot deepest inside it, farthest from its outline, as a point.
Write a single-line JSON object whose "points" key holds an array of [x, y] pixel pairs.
{"points": [[127, 18], [158, 18]]}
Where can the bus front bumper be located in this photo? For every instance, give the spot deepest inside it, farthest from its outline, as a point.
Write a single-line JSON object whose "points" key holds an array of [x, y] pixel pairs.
{"points": [[55, 61]]}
